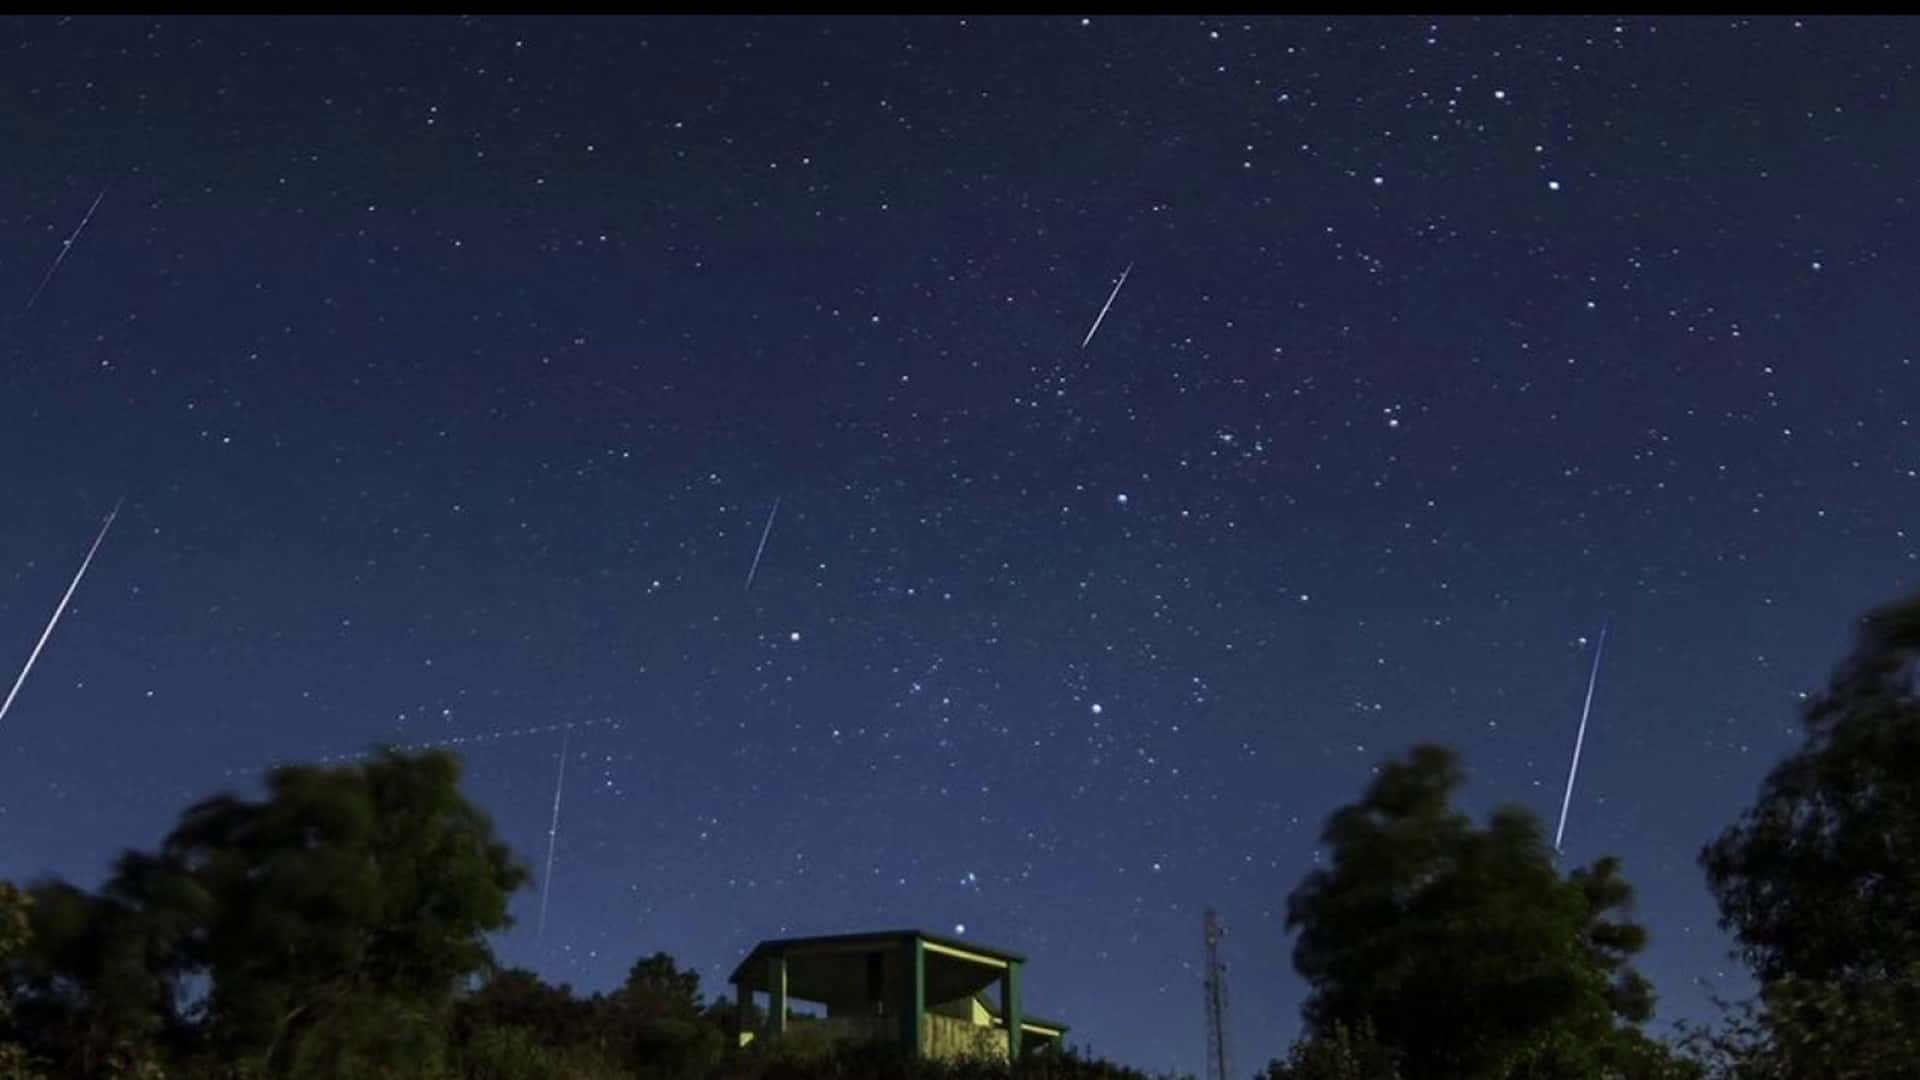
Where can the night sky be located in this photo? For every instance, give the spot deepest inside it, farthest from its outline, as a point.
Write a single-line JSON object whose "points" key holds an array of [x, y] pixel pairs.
{"points": [[451, 369]]}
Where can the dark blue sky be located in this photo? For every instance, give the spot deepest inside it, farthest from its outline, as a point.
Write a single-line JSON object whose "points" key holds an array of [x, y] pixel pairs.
{"points": [[450, 369]]}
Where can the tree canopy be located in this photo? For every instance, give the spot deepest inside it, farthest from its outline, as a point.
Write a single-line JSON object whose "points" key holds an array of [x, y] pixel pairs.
{"points": [[1463, 949], [339, 928], [1819, 880], [306, 933], [351, 903], [14, 1061]]}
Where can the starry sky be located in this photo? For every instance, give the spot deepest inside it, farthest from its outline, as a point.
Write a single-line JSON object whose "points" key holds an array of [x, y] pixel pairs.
{"points": [[452, 370]]}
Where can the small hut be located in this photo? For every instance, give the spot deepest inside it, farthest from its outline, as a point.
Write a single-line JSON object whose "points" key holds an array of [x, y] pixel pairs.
{"points": [[935, 997]]}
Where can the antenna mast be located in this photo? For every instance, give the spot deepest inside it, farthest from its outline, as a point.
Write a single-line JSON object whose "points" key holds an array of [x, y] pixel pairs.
{"points": [[1219, 1065]]}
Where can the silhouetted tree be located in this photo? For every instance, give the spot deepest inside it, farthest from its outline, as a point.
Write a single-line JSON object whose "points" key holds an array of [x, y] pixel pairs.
{"points": [[93, 994], [337, 917], [653, 1025], [658, 980], [1338, 1052], [517, 998], [664, 1028], [1818, 880], [1464, 948], [324, 929], [338, 928], [15, 1062]]}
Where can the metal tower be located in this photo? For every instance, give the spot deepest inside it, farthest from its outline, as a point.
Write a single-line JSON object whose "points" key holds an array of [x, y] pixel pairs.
{"points": [[1219, 1064]]}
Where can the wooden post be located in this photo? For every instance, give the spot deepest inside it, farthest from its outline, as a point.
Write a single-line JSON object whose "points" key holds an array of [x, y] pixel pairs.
{"points": [[1010, 1007], [777, 992], [913, 1011], [742, 1010]]}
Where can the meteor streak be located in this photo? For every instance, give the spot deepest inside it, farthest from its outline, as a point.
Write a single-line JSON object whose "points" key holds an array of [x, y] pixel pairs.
{"points": [[762, 549], [57, 612], [553, 837], [451, 740], [1097, 319], [64, 248], [1579, 739]]}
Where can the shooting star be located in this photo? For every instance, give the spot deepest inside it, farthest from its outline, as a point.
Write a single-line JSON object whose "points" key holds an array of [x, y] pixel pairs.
{"points": [[57, 612], [1580, 739], [553, 837], [1097, 319], [762, 549], [475, 739], [64, 249]]}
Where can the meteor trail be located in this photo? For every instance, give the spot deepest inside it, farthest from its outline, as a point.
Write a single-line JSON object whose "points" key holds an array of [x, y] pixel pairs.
{"points": [[1097, 319], [761, 550], [553, 835], [57, 611], [64, 248], [1579, 739], [475, 739]]}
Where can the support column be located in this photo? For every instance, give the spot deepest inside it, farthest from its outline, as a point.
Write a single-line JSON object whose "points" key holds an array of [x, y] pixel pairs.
{"points": [[777, 992], [913, 1010], [742, 1010], [1010, 1007]]}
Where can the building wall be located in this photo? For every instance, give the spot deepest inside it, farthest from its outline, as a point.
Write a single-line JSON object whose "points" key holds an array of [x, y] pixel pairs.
{"points": [[970, 1009], [848, 1028], [946, 1038]]}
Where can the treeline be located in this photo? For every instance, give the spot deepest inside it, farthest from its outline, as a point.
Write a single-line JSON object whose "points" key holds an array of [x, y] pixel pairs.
{"points": [[1433, 947], [339, 927]]}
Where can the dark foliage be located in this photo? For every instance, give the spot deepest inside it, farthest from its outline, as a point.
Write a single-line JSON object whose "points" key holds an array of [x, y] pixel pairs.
{"points": [[1458, 951], [338, 928], [321, 931], [1820, 879]]}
